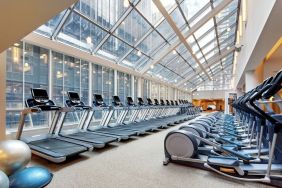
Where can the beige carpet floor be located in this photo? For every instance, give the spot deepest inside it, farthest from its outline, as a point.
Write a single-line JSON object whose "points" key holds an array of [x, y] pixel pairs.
{"points": [[136, 163]]}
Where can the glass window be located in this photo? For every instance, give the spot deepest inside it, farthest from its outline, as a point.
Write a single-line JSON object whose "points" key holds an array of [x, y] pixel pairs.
{"points": [[151, 43], [124, 86], [114, 49], [36, 74], [132, 28], [14, 76], [165, 29], [150, 11], [154, 91], [97, 79], [80, 33], [132, 59], [58, 78], [104, 12], [177, 18], [14, 84], [84, 82], [191, 7], [146, 89], [24, 71], [49, 27], [108, 84]]}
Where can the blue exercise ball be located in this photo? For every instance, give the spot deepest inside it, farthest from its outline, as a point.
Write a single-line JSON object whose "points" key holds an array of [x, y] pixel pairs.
{"points": [[4, 180], [32, 177], [14, 155]]}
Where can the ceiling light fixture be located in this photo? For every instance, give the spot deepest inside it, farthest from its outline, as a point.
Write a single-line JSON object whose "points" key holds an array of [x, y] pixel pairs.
{"points": [[89, 40], [139, 53], [125, 3]]}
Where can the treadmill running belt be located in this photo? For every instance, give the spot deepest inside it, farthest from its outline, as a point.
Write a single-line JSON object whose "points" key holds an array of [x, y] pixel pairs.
{"points": [[58, 146], [92, 137]]}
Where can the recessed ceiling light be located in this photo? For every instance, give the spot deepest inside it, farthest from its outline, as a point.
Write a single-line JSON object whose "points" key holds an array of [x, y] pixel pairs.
{"points": [[174, 52], [228, 29], [89, 40], [139, 53], [152, 66], [125, 3]]}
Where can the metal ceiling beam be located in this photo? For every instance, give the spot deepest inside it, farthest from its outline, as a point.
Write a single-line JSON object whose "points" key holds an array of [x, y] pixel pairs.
{"points": [[213, 60], [178, 33], [193, 29]]}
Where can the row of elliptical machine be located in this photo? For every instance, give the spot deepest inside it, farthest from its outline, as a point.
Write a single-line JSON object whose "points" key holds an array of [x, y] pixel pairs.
{"points": [[245, 147]]}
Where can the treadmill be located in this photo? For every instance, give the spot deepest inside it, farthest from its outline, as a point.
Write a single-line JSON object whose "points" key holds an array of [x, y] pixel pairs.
{"points": [[104, 127], [98, 140], [48, 146]]}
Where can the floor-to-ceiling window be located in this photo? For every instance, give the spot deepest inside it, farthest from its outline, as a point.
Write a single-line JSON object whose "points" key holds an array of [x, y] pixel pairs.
{"points": [[27, 67], [124, 86], [146, 89], [108, 84], [155, 90], [14, 88]]}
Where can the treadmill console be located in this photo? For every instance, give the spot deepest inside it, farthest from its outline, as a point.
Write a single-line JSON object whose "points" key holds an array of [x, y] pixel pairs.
{"points": [[140, 101], [116, 101], [162, 102], [74, 101], [176, 103], [98, 100], [40, 99], [149, 101], [167, 102], [156, 102], [39, 95], [130, 101], [74, 97]]}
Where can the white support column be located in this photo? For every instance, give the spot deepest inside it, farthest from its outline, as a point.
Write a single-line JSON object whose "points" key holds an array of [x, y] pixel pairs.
{"points": [[251, 80], [150, 86], [159, 91], [3, 96], [140, 88], [115, 82], [132, 87], [90, 81]]}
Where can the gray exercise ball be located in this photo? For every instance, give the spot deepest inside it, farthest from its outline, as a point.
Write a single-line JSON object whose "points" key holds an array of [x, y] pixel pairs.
{"points": [[4, 180], [14, 155]]}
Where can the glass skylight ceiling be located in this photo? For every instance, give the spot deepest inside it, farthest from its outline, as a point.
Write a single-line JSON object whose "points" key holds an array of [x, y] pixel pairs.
{"points": [[134, 33]]}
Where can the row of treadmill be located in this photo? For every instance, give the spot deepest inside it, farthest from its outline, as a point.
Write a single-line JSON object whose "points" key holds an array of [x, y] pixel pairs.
{"points": [[118, 122], [246, 146]]}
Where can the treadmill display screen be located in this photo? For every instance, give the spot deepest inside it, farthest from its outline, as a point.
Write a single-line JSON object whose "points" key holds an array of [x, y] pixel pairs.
{"points": [[156, 101], [162, 102], [98, 98], [167, 102], [73, 96], [116, 100], [149, 101], [140, 101], [40, 94], [130, 101]]}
